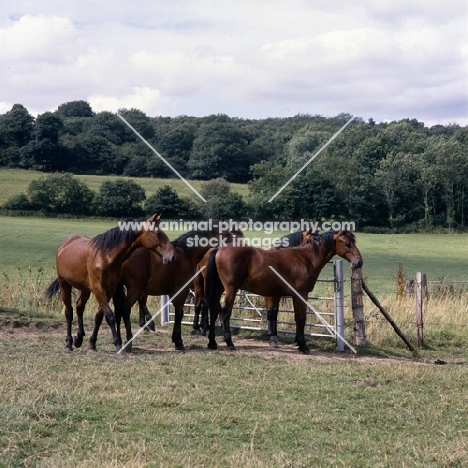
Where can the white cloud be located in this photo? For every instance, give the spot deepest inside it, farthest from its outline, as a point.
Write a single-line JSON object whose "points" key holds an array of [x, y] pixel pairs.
{"points": [[390, 59], [139, 98], [37, 38]]}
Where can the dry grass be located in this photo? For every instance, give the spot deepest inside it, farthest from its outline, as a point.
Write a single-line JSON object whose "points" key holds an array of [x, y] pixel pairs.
{"points": [[445, 312]]}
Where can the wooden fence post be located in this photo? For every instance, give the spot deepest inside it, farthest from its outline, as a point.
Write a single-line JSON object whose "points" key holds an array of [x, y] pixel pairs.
{"points": [[421, 294], [357, 306]]}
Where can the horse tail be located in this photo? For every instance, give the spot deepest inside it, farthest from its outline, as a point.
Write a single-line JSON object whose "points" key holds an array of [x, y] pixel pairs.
{"points": [[53, 289], [212, 278]]}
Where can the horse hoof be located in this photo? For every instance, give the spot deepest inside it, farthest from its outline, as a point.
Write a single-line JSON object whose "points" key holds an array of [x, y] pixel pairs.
{"points": [[180, 346], [230, 345], [78, 342], [273, 344], [128, 345], [92, 350], [304, 350], [68, 349], [152, 327], [212, 345], [121, 353]]}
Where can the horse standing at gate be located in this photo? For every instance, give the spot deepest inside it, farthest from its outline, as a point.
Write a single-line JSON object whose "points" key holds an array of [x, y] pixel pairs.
{"points": [[143, 276], [251, 269], [94, 266], [199, 301], [201, 307]]}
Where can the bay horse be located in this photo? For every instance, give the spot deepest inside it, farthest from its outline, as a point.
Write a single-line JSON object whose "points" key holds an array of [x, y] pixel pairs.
{"points": [[201, 307], [143, 275], [248, 268], [94, 266]]}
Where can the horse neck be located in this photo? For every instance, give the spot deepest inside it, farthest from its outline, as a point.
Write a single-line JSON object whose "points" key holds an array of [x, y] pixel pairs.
{"points": [[320, 257], [197, 253], [119, 254]]}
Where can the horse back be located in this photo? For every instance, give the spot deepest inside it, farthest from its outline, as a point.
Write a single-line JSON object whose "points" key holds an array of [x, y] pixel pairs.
{"points": [[251, 269], [72, 261]]}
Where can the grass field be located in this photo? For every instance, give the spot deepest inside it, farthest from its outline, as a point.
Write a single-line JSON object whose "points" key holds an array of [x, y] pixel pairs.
{"points": [[15, 181], [256, 407], [31, 243], [160, 408]]}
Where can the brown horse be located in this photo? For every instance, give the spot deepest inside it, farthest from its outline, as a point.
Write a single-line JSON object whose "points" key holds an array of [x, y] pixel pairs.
{"points": [[257, 270], [94, 266], [201, 307], [143, 275]]}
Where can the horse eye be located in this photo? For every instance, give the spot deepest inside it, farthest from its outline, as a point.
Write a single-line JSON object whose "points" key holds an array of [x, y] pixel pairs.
{"points": [[348, 245]]}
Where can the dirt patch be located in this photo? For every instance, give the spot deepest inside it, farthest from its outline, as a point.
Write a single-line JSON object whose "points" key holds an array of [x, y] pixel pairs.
{"points": [[24, 327], [262, 348], [27, 327]]}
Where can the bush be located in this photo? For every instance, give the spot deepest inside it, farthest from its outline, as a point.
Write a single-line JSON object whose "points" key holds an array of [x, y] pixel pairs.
{"points": [[119, 199], [166, 201], [19, 202], [220, 201], [60, 193]]}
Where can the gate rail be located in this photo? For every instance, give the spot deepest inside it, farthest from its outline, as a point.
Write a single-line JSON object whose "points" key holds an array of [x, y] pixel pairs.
{"points": [[335, 319]]}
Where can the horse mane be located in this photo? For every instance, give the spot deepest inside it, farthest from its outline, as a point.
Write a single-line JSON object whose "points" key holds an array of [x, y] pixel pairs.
{"points": [[113, 238], [182, 240], [236, 232], [326, 239], [294, 239]]}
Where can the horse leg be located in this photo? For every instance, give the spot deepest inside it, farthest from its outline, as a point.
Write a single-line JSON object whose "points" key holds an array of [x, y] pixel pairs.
{"points": [[196, 318], [272, 319], [65, 290], [178, 316], [110, 319], [300, 316], [80, 307], [225, 315], [122, 311], [145, 318], [204, 317], [214, 312], [97, 324], [198, 288]]}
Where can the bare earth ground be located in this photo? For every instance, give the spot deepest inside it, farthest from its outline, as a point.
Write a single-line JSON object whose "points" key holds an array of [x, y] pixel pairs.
{"points": [[143, 344]]}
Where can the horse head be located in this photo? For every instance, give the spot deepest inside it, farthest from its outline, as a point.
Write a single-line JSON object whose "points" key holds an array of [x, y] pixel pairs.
{"points": [[156, 239], [345, 244], [309, 234]]}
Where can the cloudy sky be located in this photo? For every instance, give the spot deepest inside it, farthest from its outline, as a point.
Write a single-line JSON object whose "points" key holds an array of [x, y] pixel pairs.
{"points": [[380, 59]]}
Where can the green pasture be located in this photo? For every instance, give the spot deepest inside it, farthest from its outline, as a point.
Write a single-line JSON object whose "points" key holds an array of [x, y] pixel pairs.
{"points": [[15, 181], [256, 407], [29, 244], [160, 408]]}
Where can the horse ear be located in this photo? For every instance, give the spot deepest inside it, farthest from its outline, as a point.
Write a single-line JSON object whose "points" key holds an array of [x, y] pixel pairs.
{"points": [[310, 231], [155, 217]]}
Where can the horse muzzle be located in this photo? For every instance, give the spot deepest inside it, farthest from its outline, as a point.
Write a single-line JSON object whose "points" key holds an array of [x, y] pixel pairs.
{"points": [[168, 259], [357, 263]]}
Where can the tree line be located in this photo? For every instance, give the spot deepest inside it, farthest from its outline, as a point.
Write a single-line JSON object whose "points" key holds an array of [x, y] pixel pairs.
{"points": [[397, 175]]}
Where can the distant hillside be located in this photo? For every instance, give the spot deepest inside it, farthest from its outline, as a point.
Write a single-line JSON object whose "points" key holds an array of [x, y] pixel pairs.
{"points": [[15, 181]]}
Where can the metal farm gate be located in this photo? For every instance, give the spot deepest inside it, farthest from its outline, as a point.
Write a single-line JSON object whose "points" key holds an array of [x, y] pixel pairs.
{"points": [[248, 315]]}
